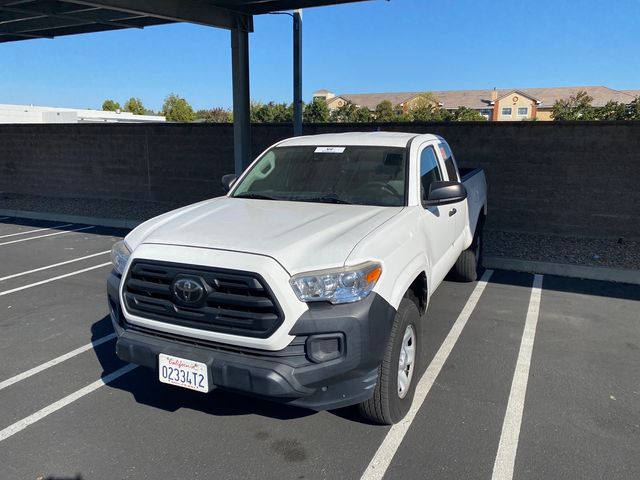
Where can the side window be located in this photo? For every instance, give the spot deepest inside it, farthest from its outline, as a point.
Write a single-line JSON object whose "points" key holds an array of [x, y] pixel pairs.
{"points": [[429, 170], [452, 171]]}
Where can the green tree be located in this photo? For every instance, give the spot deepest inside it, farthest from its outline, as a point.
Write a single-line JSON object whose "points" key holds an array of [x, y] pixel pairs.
{"points": [[135, 106], [443, 115], [282, 112], [258, 113], [110, 105], [633, 110], [576, 107], [464, 114], [612, 111], [385, 112], [344, 114], [362, 115], [316, 111], [271, 112], [215, 115], [425, 108], [350, 113], [401, 116], [177, 109], [423, 113]]}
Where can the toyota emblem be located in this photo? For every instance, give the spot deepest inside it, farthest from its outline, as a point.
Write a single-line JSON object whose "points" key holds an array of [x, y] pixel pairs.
{"points": [[188, 290]]}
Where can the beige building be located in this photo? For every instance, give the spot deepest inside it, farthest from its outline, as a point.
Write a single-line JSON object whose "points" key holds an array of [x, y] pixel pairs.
{"points": [[508, 104]]}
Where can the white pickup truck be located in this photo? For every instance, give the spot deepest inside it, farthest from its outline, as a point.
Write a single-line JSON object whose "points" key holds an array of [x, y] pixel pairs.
{"points": [[309, 281]]}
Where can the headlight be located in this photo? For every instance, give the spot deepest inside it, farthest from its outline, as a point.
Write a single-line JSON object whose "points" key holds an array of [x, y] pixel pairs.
{"points": [[343, 285], [120, 256]]}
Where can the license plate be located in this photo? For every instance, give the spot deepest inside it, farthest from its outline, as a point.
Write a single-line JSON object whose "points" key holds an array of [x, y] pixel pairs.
{"points": [[183, 373]]}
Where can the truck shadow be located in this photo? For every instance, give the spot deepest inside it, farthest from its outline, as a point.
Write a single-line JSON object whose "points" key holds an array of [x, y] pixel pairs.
{"points": [[555, 283], [143, 384]]}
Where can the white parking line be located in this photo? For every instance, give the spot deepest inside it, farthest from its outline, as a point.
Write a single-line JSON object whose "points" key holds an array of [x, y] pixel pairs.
{"points": [[37, 230], [24, 287], [29, 373], [387, 450], [8, 277], [47, 235], [63, 402], [508, 446]]}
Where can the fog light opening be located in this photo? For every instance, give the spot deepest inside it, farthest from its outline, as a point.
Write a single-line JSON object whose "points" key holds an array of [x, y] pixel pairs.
{"points": [[325, 347]]}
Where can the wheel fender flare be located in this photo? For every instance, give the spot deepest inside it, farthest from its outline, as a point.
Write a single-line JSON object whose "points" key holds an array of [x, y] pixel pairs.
{"points": [[408, 273], [469, 234]]}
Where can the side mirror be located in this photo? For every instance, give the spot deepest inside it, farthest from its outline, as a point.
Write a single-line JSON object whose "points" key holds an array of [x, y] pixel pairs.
{"points": [[228, 181], [443, 193]]}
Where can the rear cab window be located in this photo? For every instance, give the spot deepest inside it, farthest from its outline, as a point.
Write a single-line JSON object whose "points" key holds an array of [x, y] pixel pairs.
{"points": [[449, 162]]}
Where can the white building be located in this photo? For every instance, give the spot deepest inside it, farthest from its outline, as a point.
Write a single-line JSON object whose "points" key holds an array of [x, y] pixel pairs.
{"points": [[34, 114]]}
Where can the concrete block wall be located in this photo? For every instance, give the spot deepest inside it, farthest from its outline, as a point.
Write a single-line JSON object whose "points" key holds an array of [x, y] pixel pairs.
{"points": [[176, 163], [580, 178]]}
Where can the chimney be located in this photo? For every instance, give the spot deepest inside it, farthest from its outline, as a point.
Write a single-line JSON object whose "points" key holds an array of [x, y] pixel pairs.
{"points": [[494, 95]]}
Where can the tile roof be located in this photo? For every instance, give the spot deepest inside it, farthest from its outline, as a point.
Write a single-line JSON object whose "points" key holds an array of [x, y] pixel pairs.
{"points": [[601, 95], [478, 99], [371, 100]]}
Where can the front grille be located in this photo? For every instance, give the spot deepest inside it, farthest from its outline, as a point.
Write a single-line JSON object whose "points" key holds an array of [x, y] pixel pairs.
{"points": [[234, 302]]}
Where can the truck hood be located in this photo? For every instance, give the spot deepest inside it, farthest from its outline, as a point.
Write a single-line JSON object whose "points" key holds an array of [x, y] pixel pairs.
{"points": [[301, 236]]}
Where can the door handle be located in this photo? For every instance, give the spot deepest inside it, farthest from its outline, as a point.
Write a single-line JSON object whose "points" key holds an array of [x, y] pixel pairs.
{"points": [[452, 212]]}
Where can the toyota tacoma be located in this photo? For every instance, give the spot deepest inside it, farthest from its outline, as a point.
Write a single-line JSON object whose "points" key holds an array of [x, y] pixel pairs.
{"points": [[308, 282]]}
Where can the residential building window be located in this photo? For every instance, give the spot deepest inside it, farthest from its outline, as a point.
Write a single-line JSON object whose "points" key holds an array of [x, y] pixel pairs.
{"points": [[523, 111], [506, 111], [486, 113]]}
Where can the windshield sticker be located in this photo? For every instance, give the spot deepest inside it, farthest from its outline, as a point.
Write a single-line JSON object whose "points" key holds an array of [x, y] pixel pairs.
{"points": [[329, 149]]}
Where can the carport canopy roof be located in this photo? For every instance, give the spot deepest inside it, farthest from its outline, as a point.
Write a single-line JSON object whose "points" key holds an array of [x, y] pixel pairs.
{"points": [[28, 19]]}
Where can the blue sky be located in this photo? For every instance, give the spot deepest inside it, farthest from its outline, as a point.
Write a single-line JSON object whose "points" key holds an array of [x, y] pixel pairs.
{"points": [[376, 46]]}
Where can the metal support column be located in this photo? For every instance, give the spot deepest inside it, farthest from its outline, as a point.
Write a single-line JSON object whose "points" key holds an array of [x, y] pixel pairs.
{"points": [[297, 72], [241, 99]]}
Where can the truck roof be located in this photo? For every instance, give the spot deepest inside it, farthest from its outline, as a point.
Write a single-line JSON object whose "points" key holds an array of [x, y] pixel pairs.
{"points": [[387, 139]]}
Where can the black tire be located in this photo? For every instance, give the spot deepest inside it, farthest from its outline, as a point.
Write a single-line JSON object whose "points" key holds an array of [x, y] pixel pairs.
{"points": [[468, 264], [386, 407]]}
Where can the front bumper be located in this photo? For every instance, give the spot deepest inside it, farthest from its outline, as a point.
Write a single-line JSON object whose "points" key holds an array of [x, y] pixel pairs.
{"points": [[296, 374]]}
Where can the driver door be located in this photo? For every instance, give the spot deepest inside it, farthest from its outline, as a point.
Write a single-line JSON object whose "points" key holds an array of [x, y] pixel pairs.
{"points": [[437, 224]]}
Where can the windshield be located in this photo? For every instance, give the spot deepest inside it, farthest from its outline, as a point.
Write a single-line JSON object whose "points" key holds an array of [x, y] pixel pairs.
{"points": [[347, 174]]}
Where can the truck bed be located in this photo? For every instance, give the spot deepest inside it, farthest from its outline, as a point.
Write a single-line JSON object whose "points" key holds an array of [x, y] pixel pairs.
{"points": [[476, 184], [466, 173]]}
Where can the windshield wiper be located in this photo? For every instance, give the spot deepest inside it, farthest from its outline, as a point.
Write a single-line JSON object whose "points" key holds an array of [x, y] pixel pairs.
{"points": [[323, 199], [255, 196]]}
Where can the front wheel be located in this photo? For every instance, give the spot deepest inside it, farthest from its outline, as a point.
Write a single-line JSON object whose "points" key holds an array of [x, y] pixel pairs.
{"points": [[398, 374]]}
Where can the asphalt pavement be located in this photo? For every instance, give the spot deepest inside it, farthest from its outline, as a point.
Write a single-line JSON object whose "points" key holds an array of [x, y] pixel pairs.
{"points": [[522, 377]]}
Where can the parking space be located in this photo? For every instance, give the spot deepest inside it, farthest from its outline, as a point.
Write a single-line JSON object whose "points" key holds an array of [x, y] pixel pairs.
{"points": [[518, 382]]}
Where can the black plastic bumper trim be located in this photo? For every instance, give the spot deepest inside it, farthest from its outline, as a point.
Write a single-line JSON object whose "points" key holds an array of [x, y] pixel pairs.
{"points": [[365, 327]]}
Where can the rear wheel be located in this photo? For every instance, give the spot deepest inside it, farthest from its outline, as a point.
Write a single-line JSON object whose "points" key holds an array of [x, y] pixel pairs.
{"points": [[467, 267], [397, 376]]}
